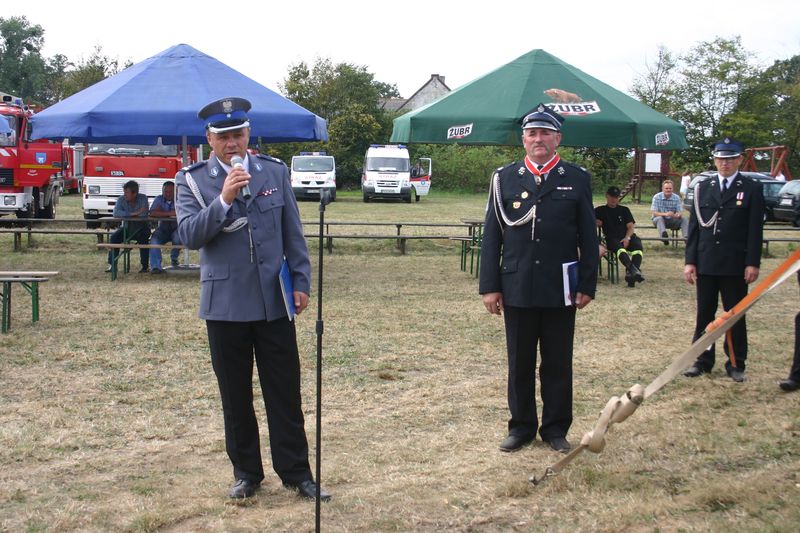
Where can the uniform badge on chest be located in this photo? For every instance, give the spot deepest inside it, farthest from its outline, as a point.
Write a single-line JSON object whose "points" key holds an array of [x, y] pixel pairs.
{"points": [[524, 194], [516, 205]]}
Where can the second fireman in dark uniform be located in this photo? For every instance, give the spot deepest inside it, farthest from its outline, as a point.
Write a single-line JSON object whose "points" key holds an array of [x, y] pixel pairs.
{"points": [[539, 220], [723, 251]]}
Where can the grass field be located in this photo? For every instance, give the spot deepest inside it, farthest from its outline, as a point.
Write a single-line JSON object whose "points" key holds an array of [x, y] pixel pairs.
{"points": [[110, 418]]}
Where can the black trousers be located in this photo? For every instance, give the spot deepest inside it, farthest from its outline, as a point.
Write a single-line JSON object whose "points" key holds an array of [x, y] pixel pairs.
{"points": [[794, 373], [634, 245], [732, 289], [274, 344], [552, 329]]}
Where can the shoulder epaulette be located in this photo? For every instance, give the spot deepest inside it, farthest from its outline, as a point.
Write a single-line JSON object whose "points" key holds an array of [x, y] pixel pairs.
{"points": [[270, 158], [194, 166], [500, 169]]}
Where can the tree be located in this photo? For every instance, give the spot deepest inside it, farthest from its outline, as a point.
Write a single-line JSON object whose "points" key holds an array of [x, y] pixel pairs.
{"points": [[712, 78], [88, 72], [347, 96], [23, 71], [656, 87], [768, 111]]}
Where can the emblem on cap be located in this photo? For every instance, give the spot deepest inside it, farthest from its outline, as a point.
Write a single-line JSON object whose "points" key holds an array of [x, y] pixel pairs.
{"points": [[727, 140], [227, 106], [540, 109]]}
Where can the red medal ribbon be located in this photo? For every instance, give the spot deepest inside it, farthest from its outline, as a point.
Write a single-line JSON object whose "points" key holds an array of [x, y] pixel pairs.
{"points": [[545, 169]]}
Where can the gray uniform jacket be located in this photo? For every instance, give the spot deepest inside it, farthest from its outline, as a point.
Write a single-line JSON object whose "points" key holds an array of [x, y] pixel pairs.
{"points": [[528, 269], [239, 282]]}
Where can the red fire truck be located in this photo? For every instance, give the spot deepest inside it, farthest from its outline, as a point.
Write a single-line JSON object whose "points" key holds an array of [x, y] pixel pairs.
{"points": [[32, 171], [109, 166]]}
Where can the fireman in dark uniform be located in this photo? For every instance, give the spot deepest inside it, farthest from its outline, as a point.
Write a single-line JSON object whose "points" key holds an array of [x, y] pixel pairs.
{"points": [[539, 219], [723, 252]]}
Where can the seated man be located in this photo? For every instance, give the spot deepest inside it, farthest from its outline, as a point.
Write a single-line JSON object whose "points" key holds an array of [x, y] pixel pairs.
{"points": [[167, 230], [131, 204], [618, 228], [667, 212]]}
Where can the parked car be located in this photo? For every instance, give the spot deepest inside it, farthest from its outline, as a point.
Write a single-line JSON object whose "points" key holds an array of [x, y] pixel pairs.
{"points": [[771, 187], [789, 197]]}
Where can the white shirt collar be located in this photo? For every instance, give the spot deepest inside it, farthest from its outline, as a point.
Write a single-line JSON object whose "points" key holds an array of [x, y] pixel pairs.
{"points": [[723, 179]]}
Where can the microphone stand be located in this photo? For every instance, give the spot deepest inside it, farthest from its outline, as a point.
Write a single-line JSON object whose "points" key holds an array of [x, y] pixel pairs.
{"points": [[324, 199]]}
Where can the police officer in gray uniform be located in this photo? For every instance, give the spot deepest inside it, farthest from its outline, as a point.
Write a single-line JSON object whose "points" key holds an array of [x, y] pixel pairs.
{"points": [[242, 242], [539, 219]]}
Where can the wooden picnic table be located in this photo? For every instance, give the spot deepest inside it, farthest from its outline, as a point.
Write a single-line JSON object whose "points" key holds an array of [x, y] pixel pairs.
{"points": [[30, 281]]}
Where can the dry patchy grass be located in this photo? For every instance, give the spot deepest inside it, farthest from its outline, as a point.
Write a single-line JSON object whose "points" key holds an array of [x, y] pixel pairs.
{"points": [[110, 416]]}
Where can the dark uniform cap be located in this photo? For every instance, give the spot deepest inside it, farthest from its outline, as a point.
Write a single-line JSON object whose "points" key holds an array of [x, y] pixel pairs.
{"points": [[613, 191], [542, 117], [728, 148], [225, 114]]}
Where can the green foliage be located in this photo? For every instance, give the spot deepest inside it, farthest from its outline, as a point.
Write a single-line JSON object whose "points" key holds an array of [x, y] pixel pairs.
{"points": [[716, 90], [88, 72], [348, 97], [713, 76], [44, 81], [23, 71]]}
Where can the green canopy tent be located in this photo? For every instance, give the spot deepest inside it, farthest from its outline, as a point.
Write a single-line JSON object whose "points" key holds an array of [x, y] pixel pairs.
{"points": [[486, 111]]}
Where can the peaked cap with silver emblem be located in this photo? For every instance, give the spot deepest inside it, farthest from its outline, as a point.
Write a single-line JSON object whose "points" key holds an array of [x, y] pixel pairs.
{"points": [[542, 117], [225, 114], [727, 148]]}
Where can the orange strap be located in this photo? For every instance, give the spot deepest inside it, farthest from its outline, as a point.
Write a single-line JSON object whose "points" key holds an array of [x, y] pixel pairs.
{"points": [[754, 295]]}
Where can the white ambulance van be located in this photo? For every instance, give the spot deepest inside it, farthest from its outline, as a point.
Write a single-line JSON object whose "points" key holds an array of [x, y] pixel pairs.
{"points": [[388, 174], [311, 173]]}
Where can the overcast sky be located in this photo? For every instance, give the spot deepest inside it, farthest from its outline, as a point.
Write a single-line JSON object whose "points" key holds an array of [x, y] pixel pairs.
{"points": [[405, 42]]}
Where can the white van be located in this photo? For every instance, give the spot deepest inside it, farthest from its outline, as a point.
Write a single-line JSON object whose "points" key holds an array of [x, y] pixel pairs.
{"points": [[311, 173], [388, 174]]}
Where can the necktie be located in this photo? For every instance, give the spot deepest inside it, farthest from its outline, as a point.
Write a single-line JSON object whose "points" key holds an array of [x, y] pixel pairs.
{"points": [[725, 183]]}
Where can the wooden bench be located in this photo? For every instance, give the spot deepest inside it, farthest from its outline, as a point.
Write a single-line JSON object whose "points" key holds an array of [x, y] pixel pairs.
{"points": [[401, 239], [18, 232], [30, 281], [768, 240]]}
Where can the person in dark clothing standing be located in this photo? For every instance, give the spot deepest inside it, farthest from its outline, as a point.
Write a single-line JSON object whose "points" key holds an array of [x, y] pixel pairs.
{"points": [[723, 252], [539, 233]]}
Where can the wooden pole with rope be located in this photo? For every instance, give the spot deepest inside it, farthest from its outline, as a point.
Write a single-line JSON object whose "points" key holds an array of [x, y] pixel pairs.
{"points": [[620, 408]]}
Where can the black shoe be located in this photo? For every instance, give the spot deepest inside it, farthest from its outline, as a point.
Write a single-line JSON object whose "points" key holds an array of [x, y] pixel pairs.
{"points": [[637, 274], [308, 489], [175, 264], [158, 271], [630, 280], [735, 374], [559, 444], [513, 443], [789, 385], [144, 270], [108, 268], [694, 371], [665, 238], [243, 488]]}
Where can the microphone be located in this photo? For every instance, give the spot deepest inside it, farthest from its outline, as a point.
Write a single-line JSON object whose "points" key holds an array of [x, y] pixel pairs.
{"points": [[238, 162]]}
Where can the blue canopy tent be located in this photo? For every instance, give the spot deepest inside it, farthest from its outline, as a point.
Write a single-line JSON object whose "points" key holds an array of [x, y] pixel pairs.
{"points": [[160, 97]]}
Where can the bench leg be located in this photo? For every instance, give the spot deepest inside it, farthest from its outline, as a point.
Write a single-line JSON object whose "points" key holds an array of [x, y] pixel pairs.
{"points": [[403, 246], [34, 290], [6, 306]]}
